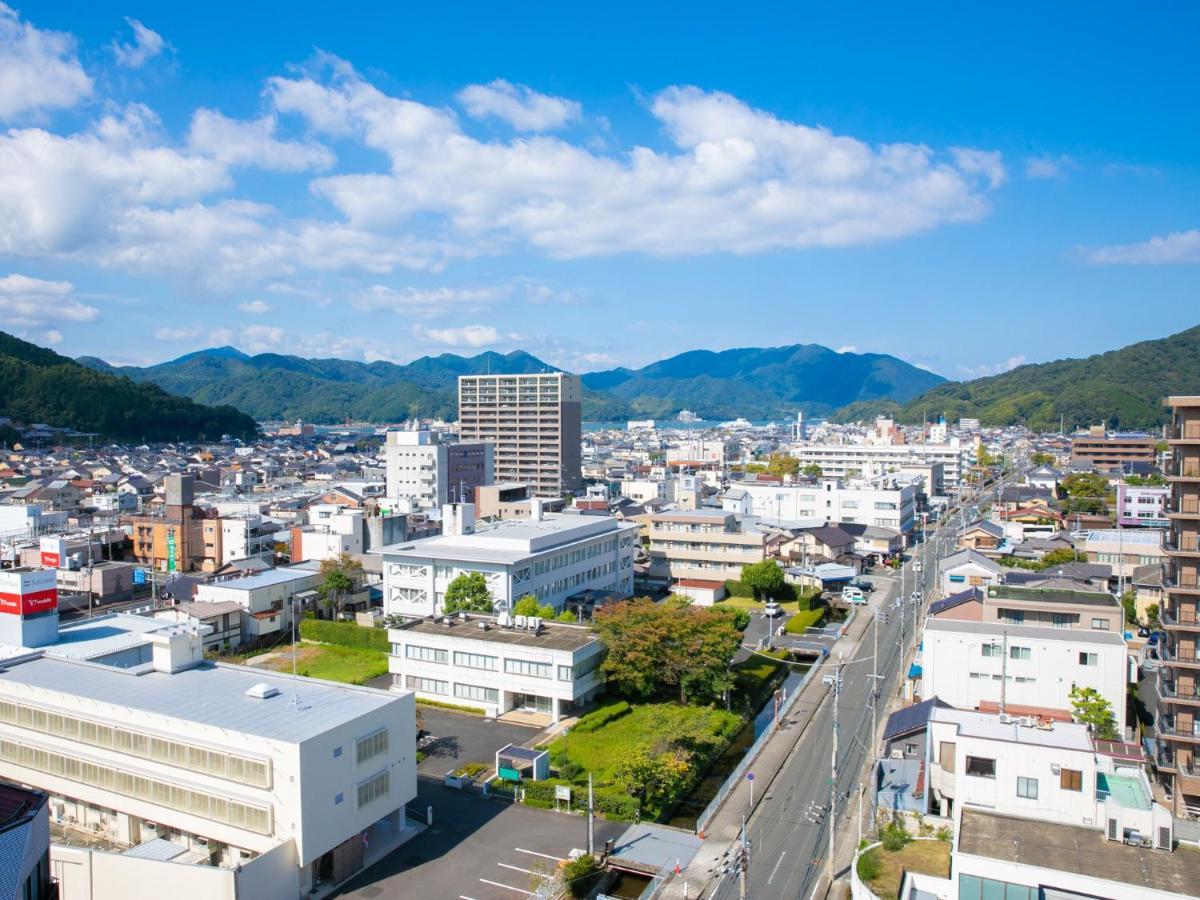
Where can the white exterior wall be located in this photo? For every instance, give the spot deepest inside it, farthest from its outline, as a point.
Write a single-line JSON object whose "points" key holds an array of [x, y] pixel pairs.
{"points": [[641, 491], [560, 690], [304, 777], [1033, 876], [838, 460], [955, 669], [415, 462], [966, 575], [414, 585], [836, 503]]}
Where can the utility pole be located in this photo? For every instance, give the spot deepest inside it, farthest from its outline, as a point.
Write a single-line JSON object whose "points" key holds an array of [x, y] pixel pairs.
{"points": [[836, 680], [591, 826], [743, 862]]}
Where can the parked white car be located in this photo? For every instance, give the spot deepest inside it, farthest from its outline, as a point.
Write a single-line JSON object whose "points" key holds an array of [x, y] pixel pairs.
{"points": [[852, 594]]}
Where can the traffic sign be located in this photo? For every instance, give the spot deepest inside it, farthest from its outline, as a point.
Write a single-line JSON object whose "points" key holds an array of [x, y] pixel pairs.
{"points": [[749, 776]]}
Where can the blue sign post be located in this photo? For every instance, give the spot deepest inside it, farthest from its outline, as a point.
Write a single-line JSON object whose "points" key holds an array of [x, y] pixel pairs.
{"points": [[750, 778]]}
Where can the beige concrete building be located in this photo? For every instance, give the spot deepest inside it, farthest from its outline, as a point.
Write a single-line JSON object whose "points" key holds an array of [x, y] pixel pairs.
{"points": [[702, 545], [535, 423]]}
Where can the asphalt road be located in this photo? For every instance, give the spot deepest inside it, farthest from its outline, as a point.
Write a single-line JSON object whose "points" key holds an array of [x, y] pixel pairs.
{"points": [[788, 832]]}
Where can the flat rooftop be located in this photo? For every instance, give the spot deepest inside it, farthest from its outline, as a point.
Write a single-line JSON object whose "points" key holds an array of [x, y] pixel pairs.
{"points": [[269, 578], [1060, 735], [1078, 851], [208, 694], [510, 540], [96, 638], [553, 635], [1031, 632]]}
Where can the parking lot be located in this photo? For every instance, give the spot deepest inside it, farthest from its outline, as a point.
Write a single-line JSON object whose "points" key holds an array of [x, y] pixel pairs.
{"points": [[477, 849], [459, 739]]}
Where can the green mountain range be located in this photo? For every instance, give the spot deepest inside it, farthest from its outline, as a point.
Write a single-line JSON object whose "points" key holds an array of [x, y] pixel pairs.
{"points": [[1123, 388], [757, 383], [40, 386]]}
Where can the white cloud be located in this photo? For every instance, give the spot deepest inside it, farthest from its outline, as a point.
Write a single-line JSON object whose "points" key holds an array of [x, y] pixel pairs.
{"points": [[738, 179], [521, 107], [1048, 166], [1176, 248], [38, 69], [52, 337], [988, 163], [177, 334], [467, 336], [234, 142], [427, 302], [255, 307], [27, 302], [848, 348], [984, 370], [146, 45]]}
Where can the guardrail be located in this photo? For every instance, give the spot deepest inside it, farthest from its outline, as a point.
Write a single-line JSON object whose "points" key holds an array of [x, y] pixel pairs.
{"points": [[752, 753]]}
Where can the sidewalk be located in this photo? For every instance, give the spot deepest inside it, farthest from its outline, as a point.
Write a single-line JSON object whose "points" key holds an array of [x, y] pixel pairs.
{"points": [[726, 825]]}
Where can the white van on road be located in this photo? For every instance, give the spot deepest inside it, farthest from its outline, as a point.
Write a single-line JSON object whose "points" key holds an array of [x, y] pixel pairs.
{"points": [[852, 594]]}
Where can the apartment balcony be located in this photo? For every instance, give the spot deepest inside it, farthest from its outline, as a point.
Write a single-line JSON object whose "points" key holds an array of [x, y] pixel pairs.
{"points": [[1173, 657], [1183, 545], [1169, 691], [1186, 620], [1169, 727], [1186, 433], [1187, 583]]}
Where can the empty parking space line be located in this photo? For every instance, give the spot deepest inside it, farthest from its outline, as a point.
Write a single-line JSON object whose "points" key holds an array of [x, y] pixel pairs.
{"points": [[526, 871], [465, 897], [501, 884], [535, 853]]}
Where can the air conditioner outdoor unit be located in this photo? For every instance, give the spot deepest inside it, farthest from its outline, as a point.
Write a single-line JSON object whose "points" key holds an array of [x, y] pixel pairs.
{"points": [[897, 754], [1028, 721], [1005, 719]]}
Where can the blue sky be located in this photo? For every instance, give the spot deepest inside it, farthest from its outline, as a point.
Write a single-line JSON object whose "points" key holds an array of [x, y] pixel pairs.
{"points": [[963, 189]]}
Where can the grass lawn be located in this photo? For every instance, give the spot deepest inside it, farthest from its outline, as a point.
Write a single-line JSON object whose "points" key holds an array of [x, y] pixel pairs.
{"points": [[754, 605], [603, 738], [348, 665], [926, 857], [806, 618]]}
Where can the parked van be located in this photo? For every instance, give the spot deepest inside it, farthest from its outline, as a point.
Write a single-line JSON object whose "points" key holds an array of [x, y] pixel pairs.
{"points": [[852, 594]]}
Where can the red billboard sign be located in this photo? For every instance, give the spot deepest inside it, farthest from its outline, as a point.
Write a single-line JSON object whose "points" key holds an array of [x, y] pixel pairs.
{"points": [[27, 604], [51, 560]]}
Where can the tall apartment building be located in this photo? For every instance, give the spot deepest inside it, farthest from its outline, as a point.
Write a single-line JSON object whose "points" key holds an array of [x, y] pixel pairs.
{"points": [[421, 466], [1178, 725], [535, 423]]}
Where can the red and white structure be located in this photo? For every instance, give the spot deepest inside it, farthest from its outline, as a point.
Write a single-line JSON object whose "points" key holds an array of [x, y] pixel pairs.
{"points": [[28, 606]]}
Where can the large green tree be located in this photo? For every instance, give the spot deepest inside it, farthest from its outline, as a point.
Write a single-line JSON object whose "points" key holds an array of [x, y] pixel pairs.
{"points": [[655, 647], [340, 577], [468, 592], [764, 578]]}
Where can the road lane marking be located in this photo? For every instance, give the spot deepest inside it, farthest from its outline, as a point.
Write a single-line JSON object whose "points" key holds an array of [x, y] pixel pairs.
{"points": [[777, 865], [535, 853], [509, 887]]}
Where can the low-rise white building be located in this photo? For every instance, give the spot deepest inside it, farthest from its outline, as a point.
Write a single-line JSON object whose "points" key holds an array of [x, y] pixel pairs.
{"points": [[1030, 669], [886, 502], [265, 599], [268, 785], [844, 460], [551, 556], [498, 664]]}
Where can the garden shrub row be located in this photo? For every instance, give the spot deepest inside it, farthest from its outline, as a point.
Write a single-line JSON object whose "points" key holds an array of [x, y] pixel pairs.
{"points": [[786, 594], [345, 634]]}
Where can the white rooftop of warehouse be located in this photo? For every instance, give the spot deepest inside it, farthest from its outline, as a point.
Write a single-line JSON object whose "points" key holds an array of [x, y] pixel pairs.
{"points": [[1027, 632], [1060, 735], [269, 578], [510, 540], [208, 694]]}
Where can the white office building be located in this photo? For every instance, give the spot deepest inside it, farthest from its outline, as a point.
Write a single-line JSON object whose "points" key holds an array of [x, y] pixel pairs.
{"points": [[1030, 668], [432, 472], [203, 780], [845, 460], [551, 556], [499, 664], [886, 502]]}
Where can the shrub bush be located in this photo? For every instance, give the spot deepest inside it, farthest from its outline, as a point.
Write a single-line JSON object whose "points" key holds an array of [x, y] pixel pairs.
{"points": [[614, 803], [895, 836], [602, 716], [345, 634], [579, 874], [868, 866]]}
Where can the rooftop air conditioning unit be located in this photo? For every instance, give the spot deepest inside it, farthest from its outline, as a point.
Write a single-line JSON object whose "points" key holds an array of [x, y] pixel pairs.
{"points": [[483, 626], [1005, 719], [897, 754], [1028, 721], [519, 621]]}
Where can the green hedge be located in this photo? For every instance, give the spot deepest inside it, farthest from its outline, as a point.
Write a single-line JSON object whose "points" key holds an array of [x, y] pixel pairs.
{"points": [[609, 801], [345, 634], [602, 716], [786, 594]]}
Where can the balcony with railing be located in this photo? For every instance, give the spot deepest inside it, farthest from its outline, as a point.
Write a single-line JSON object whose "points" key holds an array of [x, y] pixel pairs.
{"points": [[1170, 726], [1176, 657], [1174, 692], [1185, 432], [1185, 543], [1184, 618]]}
